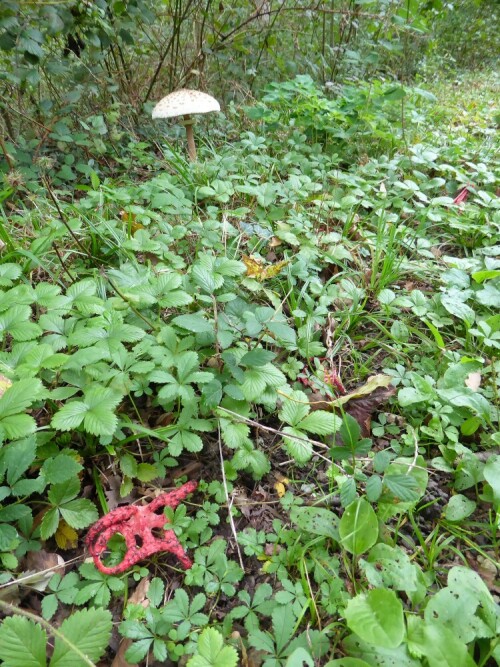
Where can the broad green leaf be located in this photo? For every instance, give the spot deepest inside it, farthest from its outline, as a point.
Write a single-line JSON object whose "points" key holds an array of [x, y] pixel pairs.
{"points": [[99, 420], [440, 646], [138, 651], [147, 471], [299, 657], [316, 520], [459, 507], [282, 332], [491, 473], [455, 306], [390, 567], [89, 631], [23, 643], [17, 426], [465, 607], [62, 493], [377, 617], [358, 527], [373, 488], [378, 656], [254, 383], [185, 363]]}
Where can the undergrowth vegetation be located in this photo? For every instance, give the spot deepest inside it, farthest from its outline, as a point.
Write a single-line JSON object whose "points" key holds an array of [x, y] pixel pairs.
{"points": [[306, 321]]}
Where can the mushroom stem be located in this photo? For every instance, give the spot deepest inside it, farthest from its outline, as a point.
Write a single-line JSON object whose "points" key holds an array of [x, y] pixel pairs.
{"points": [[188, 124]]}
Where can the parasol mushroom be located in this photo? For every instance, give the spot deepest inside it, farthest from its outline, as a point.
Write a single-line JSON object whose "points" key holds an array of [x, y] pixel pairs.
{"points": [[184, 103]]}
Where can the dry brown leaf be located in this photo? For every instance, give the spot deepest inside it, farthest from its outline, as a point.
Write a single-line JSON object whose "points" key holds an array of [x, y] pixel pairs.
{"points": [[362, 408], [373, 382], [42, 564]]}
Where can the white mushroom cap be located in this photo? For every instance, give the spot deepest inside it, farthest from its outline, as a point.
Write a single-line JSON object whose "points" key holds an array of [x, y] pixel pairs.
{"points": [[183, 102]]}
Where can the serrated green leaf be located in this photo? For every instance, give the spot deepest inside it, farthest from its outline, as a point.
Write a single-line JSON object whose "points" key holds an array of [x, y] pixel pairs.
{"points": [[373, 488], [257, 357], [19, 396], [23, 643], [128, 465], [212, 652], [254, 383], [70, 416], [403, 487], [299, 447], [155, 591], [61, 468], [49, 523], [89, 631], [295, 408], [49, 606], [62, 493], [320, 422], [100, 421], [147, 471], [18, 456], [138, 651], [283, 620], [195, 323], [79, 513]]}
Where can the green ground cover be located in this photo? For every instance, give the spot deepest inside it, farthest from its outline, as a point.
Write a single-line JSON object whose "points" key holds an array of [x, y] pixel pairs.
{"points": [[306, 321]]}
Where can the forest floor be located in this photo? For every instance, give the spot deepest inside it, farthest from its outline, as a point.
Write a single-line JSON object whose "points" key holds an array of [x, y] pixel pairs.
{"points": [[305, 322]]}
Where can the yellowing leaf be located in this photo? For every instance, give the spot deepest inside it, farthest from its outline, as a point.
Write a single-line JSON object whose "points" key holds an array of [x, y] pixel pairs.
{"points": [[66, 537], [129, 218], [257, 269], [5, 383], [373, 382], [280, 489]]}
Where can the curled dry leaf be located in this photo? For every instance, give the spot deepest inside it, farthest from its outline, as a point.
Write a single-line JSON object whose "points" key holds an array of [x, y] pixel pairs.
{"points": [[362, 408], [41, 565], [374, 382]]}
